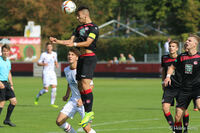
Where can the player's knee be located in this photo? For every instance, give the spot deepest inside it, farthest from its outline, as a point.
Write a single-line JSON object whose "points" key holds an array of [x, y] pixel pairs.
{"points": [[58, 122], [14, 102]]}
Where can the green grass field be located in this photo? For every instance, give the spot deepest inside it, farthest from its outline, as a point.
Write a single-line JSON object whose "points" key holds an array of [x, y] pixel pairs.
{"points": [[120, 106]]}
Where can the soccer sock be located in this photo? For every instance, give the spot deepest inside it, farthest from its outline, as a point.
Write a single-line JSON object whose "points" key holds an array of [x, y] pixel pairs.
{"points": [[1, 109], [92, 131], [9, 111], [178, 127], [67, 128], [53, 95], [88, 100], [41, 92], [185, 121], [169, 119]]}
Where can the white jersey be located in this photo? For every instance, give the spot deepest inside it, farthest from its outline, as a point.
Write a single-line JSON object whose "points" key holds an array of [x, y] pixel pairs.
{"points": [[50, 59], [71, 78]]}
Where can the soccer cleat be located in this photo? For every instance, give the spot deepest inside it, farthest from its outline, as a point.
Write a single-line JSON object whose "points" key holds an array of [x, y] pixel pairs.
{"points": [[36, 101], [87, 118], [54, 106], [9, 123]]}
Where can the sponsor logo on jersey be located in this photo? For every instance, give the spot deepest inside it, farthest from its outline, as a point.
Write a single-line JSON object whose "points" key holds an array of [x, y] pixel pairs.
{"points": [[195, 62]]}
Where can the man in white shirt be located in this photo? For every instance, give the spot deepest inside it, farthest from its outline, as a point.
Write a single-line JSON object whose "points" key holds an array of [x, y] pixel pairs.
{"points": [[48, 60], [75, 103], [166, 46]]}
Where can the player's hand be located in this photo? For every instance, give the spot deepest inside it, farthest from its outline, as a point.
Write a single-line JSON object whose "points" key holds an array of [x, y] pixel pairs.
{"points": [[1, 85], [53, 39], [167, 81], [57, 65], [79, 102], [65, 98], [12, 87]]}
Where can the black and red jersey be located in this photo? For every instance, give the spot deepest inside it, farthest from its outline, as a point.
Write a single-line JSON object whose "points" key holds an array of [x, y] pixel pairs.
{"points": [[189, 68], [82, 32], [165, 63]]}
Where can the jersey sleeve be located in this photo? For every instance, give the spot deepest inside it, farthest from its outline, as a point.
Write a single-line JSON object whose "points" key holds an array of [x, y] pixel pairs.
{"points": [[75, 33], [41, 58], [177, 62], [9, 65], [94, 31]]}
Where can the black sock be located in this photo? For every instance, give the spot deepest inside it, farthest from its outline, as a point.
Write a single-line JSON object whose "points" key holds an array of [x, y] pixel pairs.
{"points": [[1, 109], [83, 98], [89, 102], [9, 111], [169, 119], [185, 121]]}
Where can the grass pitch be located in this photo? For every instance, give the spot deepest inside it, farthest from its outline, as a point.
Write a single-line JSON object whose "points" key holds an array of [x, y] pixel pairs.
{"points": [[120, 106]]}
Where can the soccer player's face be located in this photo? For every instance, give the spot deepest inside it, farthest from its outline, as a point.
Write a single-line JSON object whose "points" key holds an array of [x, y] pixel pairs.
{"points": [[173, 48], [190, 43], [81, 17], [49, 48], [5, 52], [72, 57]]}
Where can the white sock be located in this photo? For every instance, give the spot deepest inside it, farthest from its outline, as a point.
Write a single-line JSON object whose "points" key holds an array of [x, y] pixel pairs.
{"points": [[53, 95], [92, 131], [41, 92], [67, 128]]}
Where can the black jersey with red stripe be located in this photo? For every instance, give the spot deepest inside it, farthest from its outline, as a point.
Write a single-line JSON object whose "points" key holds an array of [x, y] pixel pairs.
{"points": [[90, 30], [165, 63], [189, 67]]}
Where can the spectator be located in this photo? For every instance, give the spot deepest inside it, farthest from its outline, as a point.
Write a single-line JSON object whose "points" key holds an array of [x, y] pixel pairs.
{"points": [[122, 58], [130, 59], [166, 46], [115, 60]]}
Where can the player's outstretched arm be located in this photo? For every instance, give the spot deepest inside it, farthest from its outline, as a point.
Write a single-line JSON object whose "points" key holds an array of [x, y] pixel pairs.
{"points": [[170, 71], [61, 42]]}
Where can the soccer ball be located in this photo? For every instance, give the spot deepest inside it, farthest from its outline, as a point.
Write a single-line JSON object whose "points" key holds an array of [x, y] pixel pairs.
{"points": [[68, 6]]}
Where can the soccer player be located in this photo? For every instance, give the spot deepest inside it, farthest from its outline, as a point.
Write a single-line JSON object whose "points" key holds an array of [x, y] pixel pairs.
{"points": [[171, 92], [85, 38], [6, 85], [75, 103], [188, 64], [48, 60]]}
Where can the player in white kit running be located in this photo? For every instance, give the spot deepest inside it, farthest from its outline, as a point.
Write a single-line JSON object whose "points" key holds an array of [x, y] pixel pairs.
{"points": [[75, 103], [48, 60]]}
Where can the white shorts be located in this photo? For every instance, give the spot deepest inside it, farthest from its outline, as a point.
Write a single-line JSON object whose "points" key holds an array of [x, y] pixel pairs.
{"points": [[71, 108], [49, 78]]}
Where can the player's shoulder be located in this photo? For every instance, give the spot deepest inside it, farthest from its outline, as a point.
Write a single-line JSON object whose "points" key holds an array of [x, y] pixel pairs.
{"points": [[44, 53], [184, 54], [67, 69], [165, 56]]}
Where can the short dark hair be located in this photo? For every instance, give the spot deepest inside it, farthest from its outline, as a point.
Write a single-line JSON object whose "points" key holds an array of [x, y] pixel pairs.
{"points": [[82, 8], [6, 46], [176, 42], [75, 50], [49, 43]]}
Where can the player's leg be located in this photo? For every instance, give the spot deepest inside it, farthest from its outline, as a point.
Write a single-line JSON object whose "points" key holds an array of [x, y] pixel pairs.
{"points": [[46, 83], [88, 129], [178, 119], [53, 82], [167, 114], [186, 121], [11, 106], [61, 122]]}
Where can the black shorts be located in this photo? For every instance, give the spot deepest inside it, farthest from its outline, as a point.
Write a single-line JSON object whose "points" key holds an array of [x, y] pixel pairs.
{"points": [[6, 93], [185, 97], [85, 67], [169, 95]]}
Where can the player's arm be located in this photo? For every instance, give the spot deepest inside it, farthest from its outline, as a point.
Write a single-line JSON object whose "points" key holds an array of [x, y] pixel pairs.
{"points": [[67, 93], [62, 42], [10, 80], [163, 77], [170, 71], [41, 61]]}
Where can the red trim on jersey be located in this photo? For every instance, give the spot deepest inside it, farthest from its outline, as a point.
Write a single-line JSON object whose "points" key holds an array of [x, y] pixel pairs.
{"points": [[88, 91], [166, 60], [87, 54], [186, 115], [168, 114], [183, 58]]}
